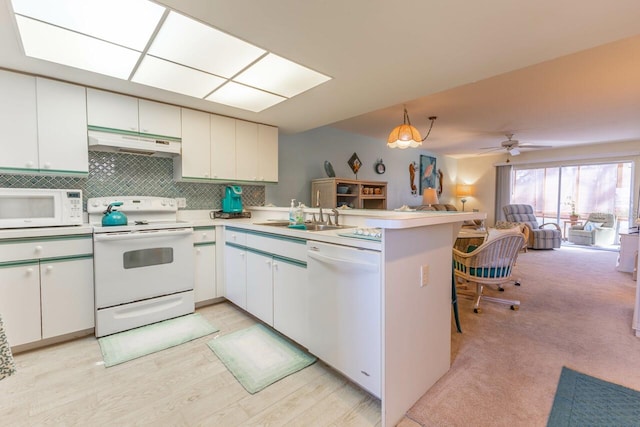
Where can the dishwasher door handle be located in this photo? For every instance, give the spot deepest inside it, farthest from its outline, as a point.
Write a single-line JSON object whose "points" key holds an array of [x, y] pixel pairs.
{"points": [[333, 260]]}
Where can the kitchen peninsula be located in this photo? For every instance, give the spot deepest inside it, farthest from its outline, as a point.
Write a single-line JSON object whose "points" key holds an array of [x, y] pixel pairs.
{"points": [[415, 291]]}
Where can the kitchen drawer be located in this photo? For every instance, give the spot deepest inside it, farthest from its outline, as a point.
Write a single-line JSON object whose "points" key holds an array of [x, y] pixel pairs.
{"points": [[45, 247], [235, 236], [288, 247], [204, 234]]}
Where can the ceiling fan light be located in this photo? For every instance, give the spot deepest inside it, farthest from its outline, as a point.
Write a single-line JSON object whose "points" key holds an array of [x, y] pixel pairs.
{"points": [[404, 136]]}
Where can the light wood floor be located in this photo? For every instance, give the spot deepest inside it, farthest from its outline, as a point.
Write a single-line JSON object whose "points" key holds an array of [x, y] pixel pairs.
{"points": [[67, 384]]}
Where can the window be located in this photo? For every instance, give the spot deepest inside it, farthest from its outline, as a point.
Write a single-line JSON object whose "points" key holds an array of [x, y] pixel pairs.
{"points": [[554, 191]]}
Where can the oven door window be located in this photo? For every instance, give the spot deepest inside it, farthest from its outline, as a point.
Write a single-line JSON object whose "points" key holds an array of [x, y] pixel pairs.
{"points": [[147, 257]]}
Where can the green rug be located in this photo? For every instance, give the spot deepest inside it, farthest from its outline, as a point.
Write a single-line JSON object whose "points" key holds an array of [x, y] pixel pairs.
{"points": [[134, 343], [582, 400], [258, 356]]}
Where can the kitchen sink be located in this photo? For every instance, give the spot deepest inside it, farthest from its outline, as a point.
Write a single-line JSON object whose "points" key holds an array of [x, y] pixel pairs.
{"points": [[311, 226]]}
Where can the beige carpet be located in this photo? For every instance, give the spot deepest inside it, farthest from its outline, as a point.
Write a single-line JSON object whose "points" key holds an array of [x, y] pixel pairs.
{"points": [[576, 310]]}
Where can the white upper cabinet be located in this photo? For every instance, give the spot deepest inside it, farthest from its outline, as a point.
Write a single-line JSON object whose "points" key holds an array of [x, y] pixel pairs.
{"points": [[246, 151], [18, 120], [44, 125], [195, 161], [267, 153], [62, 126], [155, 118], [238, 150], [111, 110], [120, 112], [223, 147]]}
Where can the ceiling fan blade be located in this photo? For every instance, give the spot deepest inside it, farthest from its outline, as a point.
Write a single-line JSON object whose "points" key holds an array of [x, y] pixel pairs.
{"points": [[514, 151], [489, 149], [534, 146]]}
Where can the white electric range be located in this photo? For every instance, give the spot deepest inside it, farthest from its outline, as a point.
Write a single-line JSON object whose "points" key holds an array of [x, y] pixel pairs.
{"points": [[143, 271]]}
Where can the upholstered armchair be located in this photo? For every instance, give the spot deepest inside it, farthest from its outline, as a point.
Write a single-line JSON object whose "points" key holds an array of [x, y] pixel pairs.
{"points": [[543, 236], [599, 229]]}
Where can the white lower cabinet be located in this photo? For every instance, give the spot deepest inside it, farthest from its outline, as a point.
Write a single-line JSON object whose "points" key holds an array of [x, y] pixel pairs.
{"points": [[260, 286], [20, 302], [235, 269], [50, 294], [290, 300], [267, 276], [204, 248], [66, 292]]}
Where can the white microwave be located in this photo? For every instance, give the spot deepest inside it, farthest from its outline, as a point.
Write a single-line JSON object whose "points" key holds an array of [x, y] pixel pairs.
{"points": [[28, 207]]}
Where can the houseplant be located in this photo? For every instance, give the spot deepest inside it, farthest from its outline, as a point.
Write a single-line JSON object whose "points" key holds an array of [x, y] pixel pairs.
{"points": [[573, 216]]}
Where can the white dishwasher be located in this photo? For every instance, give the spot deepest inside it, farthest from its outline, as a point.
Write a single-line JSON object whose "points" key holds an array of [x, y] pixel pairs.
{"points": [[345, 311]]}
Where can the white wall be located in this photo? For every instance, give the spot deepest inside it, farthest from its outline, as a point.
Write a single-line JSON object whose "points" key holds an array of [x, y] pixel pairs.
{"points": [[302, 156], [480, 171]]}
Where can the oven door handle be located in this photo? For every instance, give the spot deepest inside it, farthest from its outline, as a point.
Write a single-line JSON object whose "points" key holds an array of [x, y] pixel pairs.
{"points": [[107, 237]]}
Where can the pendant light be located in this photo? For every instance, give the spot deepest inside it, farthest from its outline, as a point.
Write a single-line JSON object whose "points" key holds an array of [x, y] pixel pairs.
{"points": [[405, 135]]}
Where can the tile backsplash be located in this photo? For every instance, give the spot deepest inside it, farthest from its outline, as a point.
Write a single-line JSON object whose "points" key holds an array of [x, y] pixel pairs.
{"points": [[130, 175]]}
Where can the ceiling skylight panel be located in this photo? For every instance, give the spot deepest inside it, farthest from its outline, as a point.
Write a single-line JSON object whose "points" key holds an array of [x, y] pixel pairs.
{"points": [[44, 41], [278, 75], [192, 43], [175, 78], [247, 98], [128, 23]]}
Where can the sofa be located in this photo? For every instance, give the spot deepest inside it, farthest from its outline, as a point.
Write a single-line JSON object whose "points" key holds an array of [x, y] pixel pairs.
{"points": [[476, 224]]}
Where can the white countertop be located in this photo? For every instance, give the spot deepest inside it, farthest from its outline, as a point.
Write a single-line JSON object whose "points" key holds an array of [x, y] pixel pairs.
{"points": [[353, 217]]}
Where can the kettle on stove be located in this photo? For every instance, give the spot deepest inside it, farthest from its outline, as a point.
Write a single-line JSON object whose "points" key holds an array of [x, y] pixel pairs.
{"points": [[232, 200], [112, 217]]}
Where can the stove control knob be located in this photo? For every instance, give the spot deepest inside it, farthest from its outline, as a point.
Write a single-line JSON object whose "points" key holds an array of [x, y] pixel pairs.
{"points": [[172, 203], [163, 202], [95, 203]]}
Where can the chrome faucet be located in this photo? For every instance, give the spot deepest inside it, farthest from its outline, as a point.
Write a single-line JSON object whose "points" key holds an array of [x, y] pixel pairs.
{"points": [[336, 214], [320, 218]]}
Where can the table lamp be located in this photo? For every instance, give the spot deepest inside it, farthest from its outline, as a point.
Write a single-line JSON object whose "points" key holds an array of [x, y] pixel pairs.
{"points": [[464, 191], [429, 196]]}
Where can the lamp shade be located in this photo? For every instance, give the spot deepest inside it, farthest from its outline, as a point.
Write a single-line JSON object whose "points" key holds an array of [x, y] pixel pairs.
{"points": [[404, 136], [429, 196], [464, 190]]}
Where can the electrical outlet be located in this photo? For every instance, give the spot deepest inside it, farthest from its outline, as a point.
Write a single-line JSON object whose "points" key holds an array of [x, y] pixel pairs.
{"points": [[182, 202], [424, 276]]}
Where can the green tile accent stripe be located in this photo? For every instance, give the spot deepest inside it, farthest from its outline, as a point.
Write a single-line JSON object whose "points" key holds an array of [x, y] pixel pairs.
{"points": [[204, 244], [47, 238], [290, 261], [66, 258], [9, 264], [270, 236], [112, 174], [204, 227], [132, 133]]}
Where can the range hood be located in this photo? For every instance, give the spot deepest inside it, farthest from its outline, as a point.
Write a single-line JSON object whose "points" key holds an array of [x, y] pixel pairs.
{"points": [[133, 144]]}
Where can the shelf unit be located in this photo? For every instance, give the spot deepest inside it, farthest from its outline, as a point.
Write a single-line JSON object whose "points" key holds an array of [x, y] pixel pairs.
{"points": [[360, 194]]}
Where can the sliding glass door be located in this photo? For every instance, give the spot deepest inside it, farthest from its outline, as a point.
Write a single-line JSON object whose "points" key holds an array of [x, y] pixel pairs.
{"points": [[556, 192]]}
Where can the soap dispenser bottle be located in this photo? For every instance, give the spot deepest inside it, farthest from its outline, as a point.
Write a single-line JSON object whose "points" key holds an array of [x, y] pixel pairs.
{"points": [[292, 212], [299, 214]]}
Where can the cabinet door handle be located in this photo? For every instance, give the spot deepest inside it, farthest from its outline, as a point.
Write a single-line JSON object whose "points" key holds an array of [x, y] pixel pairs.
{"points": [[38, 248], [29, 271], [198, 250], [49, 268]]}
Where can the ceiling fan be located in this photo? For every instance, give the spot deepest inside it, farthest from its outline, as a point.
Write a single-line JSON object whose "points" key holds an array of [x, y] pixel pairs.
{"points": [[513, 145]]}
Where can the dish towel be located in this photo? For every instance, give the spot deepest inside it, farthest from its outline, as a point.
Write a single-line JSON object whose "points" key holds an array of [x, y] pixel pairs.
{"points": [[7, 366]]}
